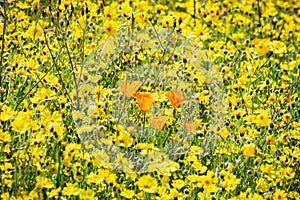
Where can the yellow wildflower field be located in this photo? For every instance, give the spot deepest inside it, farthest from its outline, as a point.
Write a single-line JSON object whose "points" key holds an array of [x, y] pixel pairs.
{"points": [[149, 99]]}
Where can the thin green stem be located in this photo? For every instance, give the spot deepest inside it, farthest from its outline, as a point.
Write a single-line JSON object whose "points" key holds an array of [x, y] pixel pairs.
{"points": [[56, 66], [3, 42]]}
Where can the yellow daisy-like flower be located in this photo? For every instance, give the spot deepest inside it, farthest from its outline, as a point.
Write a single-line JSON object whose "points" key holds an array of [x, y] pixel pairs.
{"points": [[70, 190], [287, 117], [129, 194], [278, 47], [202, 32], [110, 27], [54, 193], [5, 196], [249, 150], [147, 183], [21, 124], [43, 182], [4, 137], [262, 185], [123, 139], [87, 194], [280, 195], [208, 182], [178, 184]]}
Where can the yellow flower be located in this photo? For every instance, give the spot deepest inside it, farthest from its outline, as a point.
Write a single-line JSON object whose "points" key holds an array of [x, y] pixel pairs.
{"points": [[268, 171], [94, 179], [6, 180], [21, 123], [202, 32], [87, 194], [52, 80], [262, 185], [249, 150], [288, 173], [167, 21], [126, 9], [5, 196], [201, 196], [231, 182], [278, 47], [54, 193], [123, 139], [174, 193], [34, 195], [22, 5], [129, 194], [224, 133], [178, 184], [4, 137], [199, 167], [43, 182], [31, 64], [287, 117], [6, 166], [70, 190], [111, 179], [147, 183], [144, 100], [261, 45], [294, 195], [280, 195], [45, 94], [110, 11], [263, 119], [110, 27], [208, 182], [6, 114]]}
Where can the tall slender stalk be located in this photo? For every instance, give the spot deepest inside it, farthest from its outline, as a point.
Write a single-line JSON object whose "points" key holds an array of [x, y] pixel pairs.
{"points": [[4, 14]]}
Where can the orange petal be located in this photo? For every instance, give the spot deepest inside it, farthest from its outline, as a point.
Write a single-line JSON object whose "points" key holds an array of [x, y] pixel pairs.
{"points": [[191, 126], [129, 89], [158, 122], [144, 100], [175, 97]]}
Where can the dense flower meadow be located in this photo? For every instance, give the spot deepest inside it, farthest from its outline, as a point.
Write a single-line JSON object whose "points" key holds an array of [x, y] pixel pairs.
{"points": [[89, 108]]}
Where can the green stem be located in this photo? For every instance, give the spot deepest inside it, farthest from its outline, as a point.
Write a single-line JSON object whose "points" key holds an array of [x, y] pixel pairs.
{"points": [[2, 45], [58, 176], [144, 122]]}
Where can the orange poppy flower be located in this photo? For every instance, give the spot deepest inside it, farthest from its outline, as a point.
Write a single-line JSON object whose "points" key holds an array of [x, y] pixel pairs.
{"points": [[175, 97], [128, 88], [144, 100], [191, 126], [158, 122]]}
